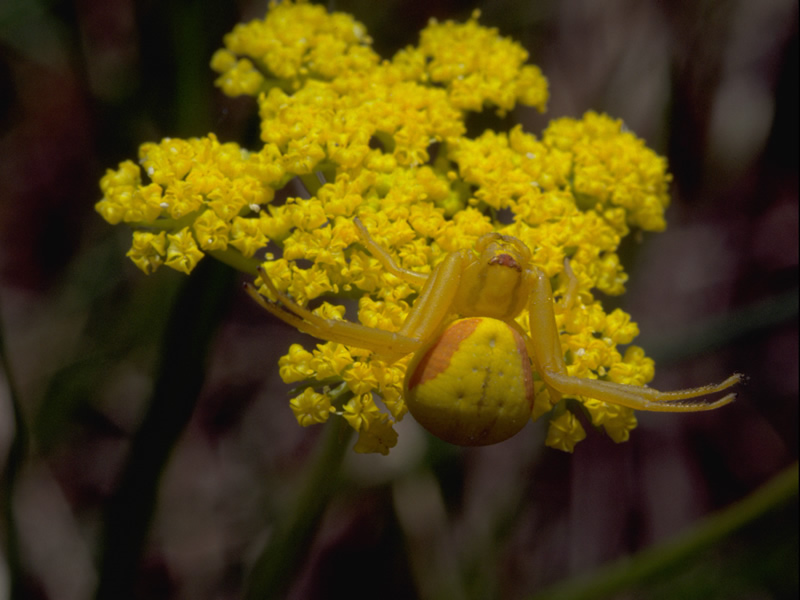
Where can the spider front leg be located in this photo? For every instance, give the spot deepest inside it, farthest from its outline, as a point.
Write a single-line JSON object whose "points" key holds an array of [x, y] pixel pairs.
{"points": [[425, 318], [548, 357], [390, 344], [417, 279]]}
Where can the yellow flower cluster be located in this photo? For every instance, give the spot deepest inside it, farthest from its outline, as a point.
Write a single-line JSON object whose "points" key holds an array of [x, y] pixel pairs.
{"points": [[294, 43], [201, 196], [385, 140], [479, 67]]}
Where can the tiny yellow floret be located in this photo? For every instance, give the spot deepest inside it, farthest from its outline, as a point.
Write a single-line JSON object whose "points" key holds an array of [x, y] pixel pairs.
{"points": [[311, 407], [564, 432]]}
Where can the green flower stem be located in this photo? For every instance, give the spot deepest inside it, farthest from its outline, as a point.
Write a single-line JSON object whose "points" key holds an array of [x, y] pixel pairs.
{"points": [[270, 81], [16, 457], [311, 182], [386, 140], [280, 560], [167, 224], [191, 328], [193, 94], [650, 563], [422, 515], [235, 259], [328, 170]]}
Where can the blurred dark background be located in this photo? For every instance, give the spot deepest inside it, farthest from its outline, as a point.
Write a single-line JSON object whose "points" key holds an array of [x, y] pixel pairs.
{"points": [[710, 84]]}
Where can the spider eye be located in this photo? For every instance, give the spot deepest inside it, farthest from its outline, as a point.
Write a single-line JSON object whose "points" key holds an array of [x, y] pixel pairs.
{"points": [[503, 250], [505, 260]]}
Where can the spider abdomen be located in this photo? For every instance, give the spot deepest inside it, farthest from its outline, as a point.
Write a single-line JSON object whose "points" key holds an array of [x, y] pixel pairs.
{"points": [[473, 386]]}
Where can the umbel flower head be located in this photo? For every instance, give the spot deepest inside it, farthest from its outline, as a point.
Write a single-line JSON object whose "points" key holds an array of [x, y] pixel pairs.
{"points": [[385, 140]]}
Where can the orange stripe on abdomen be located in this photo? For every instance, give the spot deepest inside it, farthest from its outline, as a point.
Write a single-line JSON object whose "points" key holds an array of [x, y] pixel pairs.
{"points": [[437, 358]]}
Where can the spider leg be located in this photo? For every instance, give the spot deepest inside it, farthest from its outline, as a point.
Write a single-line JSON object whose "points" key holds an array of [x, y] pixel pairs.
{"points": [[424, 320], [572, 286], [416, 279], [436, 298], [644, 398], [438, 292], [389, 344], [546, 352]]}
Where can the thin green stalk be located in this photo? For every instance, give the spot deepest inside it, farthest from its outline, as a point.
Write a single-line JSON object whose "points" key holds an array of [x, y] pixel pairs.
{"points": [[311, 182], [419, 506], [193, 93], [190, 331], [280, 560], [16, 457], [234, 258], [630, 572], [724, 330]]}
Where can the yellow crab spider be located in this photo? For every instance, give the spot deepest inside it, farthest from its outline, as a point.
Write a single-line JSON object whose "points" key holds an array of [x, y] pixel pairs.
{"points": [[470, 381]]}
